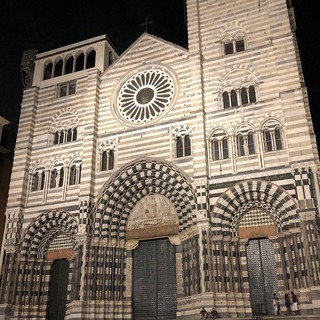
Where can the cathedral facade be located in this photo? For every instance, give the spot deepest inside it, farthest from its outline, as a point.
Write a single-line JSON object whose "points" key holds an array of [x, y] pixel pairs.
{"points": [[163, 180]]}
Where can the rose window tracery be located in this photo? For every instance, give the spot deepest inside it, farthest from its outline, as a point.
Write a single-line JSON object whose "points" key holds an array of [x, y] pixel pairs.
{"points": [[145, 96]]}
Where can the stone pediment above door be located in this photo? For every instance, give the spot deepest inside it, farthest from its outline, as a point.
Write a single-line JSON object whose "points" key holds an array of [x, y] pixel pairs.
{"points": [[153, 216]]}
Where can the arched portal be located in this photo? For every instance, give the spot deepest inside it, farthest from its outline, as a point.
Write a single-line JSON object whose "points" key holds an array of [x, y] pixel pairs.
{"points": [[141, 206], [48, 243], [263, 221], [131, 184]]}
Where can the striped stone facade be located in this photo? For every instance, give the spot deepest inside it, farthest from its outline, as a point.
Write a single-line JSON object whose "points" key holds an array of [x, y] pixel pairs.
{"points": [[226, 138]]}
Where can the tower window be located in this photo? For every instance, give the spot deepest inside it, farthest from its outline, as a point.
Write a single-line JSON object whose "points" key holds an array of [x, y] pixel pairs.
{"points": [[245, 144], [58, 68], [272, 138], [91, 59], [236, 44], [66, 89], [69, 65], [80, 62], [67, 135], [228, 48], [239, 45], [48, 71], [238, 97]]}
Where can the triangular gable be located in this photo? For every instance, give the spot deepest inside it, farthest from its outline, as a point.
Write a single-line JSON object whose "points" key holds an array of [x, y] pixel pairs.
{"points": [[135, 45]]}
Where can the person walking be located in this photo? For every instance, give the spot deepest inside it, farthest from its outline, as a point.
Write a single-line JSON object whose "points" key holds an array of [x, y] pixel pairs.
{"points": [[276, 305], [294, 303], [287, 303]]}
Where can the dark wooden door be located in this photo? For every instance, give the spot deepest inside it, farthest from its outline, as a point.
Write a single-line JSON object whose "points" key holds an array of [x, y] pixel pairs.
{"points": [[58, 289], [262, 274], [154, 281]]}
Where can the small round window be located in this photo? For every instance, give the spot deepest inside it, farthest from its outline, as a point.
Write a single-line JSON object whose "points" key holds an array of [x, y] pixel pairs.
{"points": [[145, 96]]}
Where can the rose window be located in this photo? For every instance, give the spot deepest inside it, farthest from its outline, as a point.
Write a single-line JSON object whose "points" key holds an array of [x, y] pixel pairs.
{"points": [[145, 96]]}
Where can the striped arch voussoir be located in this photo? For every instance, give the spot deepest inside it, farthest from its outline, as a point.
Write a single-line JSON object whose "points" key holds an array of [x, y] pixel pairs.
{"points": [[134, 182], [46, 226], [231, 205]]}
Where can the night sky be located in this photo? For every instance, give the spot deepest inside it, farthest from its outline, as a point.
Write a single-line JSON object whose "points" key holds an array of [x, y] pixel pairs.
{"points": [[44, 25]]}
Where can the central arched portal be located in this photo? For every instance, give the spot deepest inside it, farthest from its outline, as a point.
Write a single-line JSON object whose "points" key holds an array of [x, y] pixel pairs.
{"points": [[154, 280], [154, 292]]}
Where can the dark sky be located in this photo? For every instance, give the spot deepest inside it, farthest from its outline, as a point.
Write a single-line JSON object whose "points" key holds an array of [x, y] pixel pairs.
{"points": [[49, 24]]}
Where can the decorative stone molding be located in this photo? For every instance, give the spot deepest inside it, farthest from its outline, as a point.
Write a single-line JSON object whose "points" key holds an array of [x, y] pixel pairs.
{"points": [[132, 244], [202, 215], [10, 248], [307, 215]]}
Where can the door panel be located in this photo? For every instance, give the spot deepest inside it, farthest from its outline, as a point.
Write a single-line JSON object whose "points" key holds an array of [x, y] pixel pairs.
{"points": [[58, 289], [262, 273], [154, 281]]}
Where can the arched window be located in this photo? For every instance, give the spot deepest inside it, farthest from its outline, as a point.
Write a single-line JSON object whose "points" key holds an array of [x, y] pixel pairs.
{"points": [[183, 146], [272, 136], [239, 96], [251, 148], [107, 160], [219, 145], [61, 136], [69, 135], [182, 142], [239, 44], [235, 44], [252, 94], [38, 180], [179, 147], [225, 149], [69, 65], [240, 145], [267, 140], [42, 180], [278, 138], [245, 142], [75, 173], [244, 96], [58, 68], [187, 145], [226, 101], [228, 48], [35, 181], [56, 177], [80, 62], [234, 98], [91, 59], [215, 150], [65, 135], [48, 71], [53, 178]]}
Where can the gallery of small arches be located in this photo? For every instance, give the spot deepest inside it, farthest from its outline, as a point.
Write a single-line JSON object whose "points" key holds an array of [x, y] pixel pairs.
{"points": [[72, 63]]}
